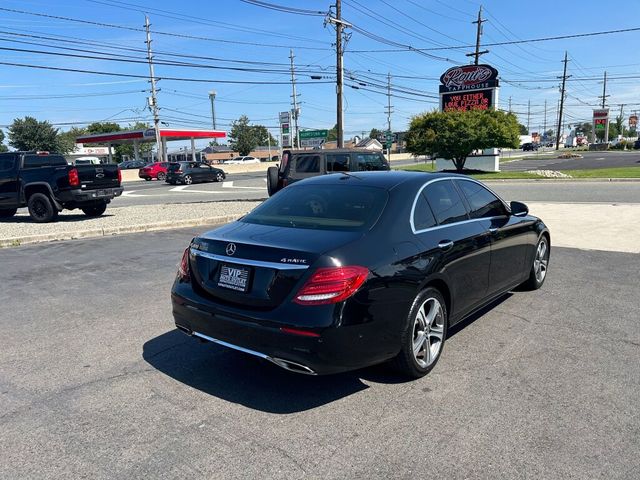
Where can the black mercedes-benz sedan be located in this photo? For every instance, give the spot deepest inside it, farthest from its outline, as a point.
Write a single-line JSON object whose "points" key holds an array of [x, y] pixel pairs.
{"points": [[343, 271]]}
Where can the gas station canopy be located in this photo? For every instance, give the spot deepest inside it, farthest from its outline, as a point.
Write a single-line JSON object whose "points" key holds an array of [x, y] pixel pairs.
{"points": [[137, 137], [149, 135]]}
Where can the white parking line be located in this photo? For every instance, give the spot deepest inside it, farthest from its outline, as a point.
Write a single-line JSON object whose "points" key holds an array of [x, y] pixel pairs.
{"points": [[129, 193], [183, 189]]}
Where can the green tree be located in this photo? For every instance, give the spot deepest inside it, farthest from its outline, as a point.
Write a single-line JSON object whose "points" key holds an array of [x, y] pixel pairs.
{"points": [[67, 140], [244, 137], [123, 149], [29, 134], [332, 134], [3, 147], [375, 133], [585, 128], [523, 129], [454, 134]]}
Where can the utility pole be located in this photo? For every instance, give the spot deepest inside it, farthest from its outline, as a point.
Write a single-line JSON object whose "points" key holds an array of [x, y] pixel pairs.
{"points": [[528, 116], [621, 132], [544, 129], [212, 97], [154, 101], [477, 53], [294, 103], [389, 106], [604, 91], [564, 80], [509, 103], [340, 26]]}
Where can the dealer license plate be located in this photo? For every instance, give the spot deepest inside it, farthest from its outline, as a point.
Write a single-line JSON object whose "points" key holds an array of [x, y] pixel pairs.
{"points": [[234, 278]]}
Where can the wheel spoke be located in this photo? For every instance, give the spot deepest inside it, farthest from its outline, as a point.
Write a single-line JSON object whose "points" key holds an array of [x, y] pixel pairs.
{"points": [[433, 312], [419, 343], [436, 331]]}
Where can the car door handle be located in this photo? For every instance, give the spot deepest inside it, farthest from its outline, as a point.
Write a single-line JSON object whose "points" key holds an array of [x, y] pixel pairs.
{"points": [[445, 245], [493, 230]]}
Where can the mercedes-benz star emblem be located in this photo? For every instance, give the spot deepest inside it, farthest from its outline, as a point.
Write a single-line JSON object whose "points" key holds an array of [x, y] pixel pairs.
{"points": [[231, 248]]}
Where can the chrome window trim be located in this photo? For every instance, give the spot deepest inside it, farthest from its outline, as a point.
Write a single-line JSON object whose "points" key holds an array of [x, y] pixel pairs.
{"points": [[246, 261], [437, 227]]}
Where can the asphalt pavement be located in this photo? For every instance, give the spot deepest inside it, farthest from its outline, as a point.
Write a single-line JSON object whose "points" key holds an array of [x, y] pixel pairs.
{"points": [[589, 160], [96, 383], [252, 186]]}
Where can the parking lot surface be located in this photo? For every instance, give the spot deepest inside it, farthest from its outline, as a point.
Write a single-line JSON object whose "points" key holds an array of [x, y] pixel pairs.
{"points": [[95, 382]]}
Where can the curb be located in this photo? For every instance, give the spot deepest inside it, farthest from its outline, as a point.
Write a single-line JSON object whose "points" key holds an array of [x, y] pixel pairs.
{"points": [[109, 231]]}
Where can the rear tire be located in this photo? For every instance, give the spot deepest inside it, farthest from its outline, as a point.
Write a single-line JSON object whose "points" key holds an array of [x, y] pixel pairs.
{"points": [[95, 211], [161, 176], [147, 179], [41, 208], [538, 272], [272, 180], [424, 335], [8, 212], [219, 177], [188, 180]]}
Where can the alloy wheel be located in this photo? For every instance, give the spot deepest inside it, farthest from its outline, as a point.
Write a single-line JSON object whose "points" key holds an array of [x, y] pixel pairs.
{"points": [[188, 180], [428, 332], [541, 261]]}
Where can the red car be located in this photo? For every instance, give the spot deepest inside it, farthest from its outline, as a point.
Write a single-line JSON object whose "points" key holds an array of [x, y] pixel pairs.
{"points": [[154, 170]]}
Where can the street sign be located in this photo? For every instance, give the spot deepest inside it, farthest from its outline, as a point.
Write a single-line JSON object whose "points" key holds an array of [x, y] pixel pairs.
{"points": [[312, 142], [286, 140], [285, 127], [309, 134], [285, 117]]}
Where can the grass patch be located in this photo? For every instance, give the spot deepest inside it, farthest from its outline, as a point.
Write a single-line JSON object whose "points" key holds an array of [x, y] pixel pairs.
{"points": [[617, 172], [481, 175]]}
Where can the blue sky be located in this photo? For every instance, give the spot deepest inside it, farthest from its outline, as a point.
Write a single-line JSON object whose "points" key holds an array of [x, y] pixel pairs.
{"points": [[527, 71]]}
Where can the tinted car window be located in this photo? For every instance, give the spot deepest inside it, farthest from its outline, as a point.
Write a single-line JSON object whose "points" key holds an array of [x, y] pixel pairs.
{"points": [[482, 202], [174, 167], [35, 161], [445, 202], [370, 161], [308, 164], [338, 162], [341, 207], [6, 163], [422, 215]]}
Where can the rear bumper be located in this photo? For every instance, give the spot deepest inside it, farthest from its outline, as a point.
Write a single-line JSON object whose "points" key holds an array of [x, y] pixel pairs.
{"points": [[337, 349], [90, 196], [172, 177]]}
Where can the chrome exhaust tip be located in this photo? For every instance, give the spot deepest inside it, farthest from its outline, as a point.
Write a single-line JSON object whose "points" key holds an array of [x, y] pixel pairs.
{"points": [[282, 363], [292, 366]]}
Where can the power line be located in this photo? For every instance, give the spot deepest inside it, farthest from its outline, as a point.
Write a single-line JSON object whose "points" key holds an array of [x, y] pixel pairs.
{"points": [[163, 77], [512, 42], [285, 9], [169, 34]]}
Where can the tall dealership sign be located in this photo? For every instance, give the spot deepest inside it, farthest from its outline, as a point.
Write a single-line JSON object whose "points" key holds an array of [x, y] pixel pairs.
{"points": [[469, 87], [601, 123]]}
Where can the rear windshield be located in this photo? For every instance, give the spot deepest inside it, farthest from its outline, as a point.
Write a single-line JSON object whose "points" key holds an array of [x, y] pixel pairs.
{"points": [[35, 161], [174, 167], [370, 162], [322, 207]]}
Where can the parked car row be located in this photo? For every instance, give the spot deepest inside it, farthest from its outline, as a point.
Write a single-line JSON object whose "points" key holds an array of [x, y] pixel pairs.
{"points": [[181, 172]]}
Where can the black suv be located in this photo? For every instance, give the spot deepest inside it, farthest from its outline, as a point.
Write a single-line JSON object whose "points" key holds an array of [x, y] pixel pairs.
{"points": [[301, 164], [192, 172], [47, 184]]}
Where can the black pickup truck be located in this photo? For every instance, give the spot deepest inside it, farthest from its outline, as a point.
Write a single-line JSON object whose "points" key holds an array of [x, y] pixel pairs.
{"points": [[46, 184]]}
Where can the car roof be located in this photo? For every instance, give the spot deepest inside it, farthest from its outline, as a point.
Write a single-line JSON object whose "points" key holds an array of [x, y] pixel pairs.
{"points": [[382, 179]]}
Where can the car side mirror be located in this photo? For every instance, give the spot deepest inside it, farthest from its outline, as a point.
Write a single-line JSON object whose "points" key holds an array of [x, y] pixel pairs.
{"points": [[519, 209]]}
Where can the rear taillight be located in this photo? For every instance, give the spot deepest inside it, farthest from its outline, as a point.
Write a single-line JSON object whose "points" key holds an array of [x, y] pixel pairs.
{"points": [[299, 331], [178, 171], [183, 267], [331, 285], [74, 178], [119, 176]]}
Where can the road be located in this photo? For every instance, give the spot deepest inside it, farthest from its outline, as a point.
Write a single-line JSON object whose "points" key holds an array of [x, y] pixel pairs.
{"points": [[547, 160], [252, 186], [590, 160], [96, 383]]}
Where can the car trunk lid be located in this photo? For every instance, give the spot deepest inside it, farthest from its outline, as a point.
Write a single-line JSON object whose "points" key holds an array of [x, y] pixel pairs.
{"points": [[257, 266], [98, 176]]}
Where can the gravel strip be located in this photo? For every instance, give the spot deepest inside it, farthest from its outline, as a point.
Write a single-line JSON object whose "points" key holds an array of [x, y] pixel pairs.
{"points": [[21, 230]]}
